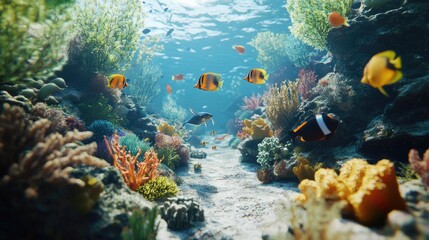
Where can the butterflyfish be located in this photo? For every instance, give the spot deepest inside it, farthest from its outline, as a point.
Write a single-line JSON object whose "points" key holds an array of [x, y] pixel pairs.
{"points": [[257, 76], [117, 81], [209, 82]]}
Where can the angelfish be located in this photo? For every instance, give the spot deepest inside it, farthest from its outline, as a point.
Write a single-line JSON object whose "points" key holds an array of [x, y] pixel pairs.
{"points": [[318, 128], [199, 118]]}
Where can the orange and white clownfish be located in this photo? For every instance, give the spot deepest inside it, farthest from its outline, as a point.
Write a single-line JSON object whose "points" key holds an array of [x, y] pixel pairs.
{"points": [[320, 127]]}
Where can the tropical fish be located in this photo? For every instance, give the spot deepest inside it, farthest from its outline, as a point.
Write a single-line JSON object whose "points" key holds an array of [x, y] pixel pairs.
{"points": [[239, 48], [336, 20], [383, 69], [168, 88], [169, 32], [199, 118], [209, 82], [212, 133], [146, 31], [222, 138], [318, 128], [117, 81], [214, 147], [165, 9], [177, 77], [257, 76], [203, 143]]}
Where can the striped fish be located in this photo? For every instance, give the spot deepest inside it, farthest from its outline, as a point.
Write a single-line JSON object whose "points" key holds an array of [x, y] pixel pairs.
{"points": [[209, 82], [257, 76], [318, 128], [117, 81]]}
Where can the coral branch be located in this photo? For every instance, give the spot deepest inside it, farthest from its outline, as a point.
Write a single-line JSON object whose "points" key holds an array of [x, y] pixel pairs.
{"points": [[420, 166], [252, 103]]}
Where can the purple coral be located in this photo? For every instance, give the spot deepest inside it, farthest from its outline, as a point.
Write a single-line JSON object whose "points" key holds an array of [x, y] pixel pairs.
{"points": [[73, 123], [252, 103], [419, 165], [164, 141], [307, 80]]}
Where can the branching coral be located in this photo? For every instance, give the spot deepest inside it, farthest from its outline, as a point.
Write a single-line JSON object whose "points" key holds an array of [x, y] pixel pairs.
{"points": [[299, 53], [271, 49], [281, 104], [420, 165], [135, 173], [33, 38], [370, 190], [158, 188], [306, 81], [133, 144], [106, 42], [310, 19], [162, 140], [258, 128], [172, 110], [252, 103], [269, 151], [166, 129]]}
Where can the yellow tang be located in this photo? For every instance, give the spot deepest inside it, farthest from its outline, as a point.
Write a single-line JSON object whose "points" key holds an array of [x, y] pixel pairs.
{"points": [[209, 82], [117, 81], [383, 69], [257, 76]]}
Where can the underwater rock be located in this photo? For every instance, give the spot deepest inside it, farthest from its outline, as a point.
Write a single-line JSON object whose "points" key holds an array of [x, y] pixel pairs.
{"points": [[402, 221], [249, 150], [60, 82], [110, 215], [398, 28], [47, 90], [51, 100], [33, 83], [284, 169], [198, 154], [19, 100], [180, 213], [209, 234]]}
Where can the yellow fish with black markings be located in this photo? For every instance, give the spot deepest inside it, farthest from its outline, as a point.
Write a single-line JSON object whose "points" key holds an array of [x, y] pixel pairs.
{"points": [[117, 81], [209, 82], [383, 69], [257, 76]]}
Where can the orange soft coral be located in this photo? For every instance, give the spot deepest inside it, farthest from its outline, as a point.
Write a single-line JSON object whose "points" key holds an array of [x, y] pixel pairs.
{"points": [[135, 173], [258, 128], [371, 191]]}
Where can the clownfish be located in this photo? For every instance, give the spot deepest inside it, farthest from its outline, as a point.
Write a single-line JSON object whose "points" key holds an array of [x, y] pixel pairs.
{"points": [[117, 81], [257, 76], [318, 128], [209, 82]]}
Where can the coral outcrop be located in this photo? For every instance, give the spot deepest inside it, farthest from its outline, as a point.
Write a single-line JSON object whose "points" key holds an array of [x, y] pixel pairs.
{"points": [[269, 151], [257, 129], [166, 129], [181, 213], [420, 165], [158, 188], [304, 169], [371, 191]]}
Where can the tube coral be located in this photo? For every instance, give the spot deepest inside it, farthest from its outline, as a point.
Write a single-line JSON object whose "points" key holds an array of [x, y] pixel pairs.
{"points": [[135, 173]]}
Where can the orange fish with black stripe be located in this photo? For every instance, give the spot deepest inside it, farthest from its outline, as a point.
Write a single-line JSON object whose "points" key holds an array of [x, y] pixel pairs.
{"points": [[209, 82], [117, 81], [320, 127], [257, 76]]}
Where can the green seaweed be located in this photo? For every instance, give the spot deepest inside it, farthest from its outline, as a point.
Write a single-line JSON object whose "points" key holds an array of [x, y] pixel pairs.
{"points": [[142, 225], [169, 156]]}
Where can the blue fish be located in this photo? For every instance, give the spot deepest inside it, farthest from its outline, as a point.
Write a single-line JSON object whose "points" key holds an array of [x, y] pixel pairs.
{"points": [[146, 31], [169, 32], [199, 118]]}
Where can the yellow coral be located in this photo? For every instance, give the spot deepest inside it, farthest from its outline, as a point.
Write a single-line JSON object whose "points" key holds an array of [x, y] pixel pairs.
{"points": [[166, 129], [304, 170], [258, 128], [371, 191]]}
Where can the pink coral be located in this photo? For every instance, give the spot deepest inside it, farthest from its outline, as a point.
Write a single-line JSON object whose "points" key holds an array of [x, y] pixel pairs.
{"points": [[420, 166], [307, 80], [73, 123], [252, 103], [164, 141]]}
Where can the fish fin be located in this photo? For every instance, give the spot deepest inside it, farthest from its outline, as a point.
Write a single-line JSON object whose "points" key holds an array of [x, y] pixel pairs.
{"points": [[192, 111], [205, 124], [172, 77], [346, 22], [389, 54], [220, 84], [266, 77], [383, 91], [299, 127], [213, 121], [398, 77], [397, 63], [302, 139]]}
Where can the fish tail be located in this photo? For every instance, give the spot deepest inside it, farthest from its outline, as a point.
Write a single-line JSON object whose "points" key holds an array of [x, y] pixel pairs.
{"points": [[220, 84], [383, 91], [346, 23], [266, 77], [172, 77]]}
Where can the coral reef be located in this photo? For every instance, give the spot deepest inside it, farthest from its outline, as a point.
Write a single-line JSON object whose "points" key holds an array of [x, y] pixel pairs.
{"points": [[180, 213], [169, 156], [257, 129], [252, 103], [166, 129], [33, 39], [420, 165], [265, 175], [133, 144], [271, 49], [142, 225], [370, 190], [172, 110], [164, 141], [135, 173], [283, 169], [299, 53], [72, 123], [102, 43], [158, 188], [184, 154], [55, 116], [282, 103], [306, 81], [101, 128], [310, 19], [304, 169], [269, 151], [97, 108], [36, 176]]}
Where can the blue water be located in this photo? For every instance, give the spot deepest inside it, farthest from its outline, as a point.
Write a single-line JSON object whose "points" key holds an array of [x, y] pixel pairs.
{"points": [[202, 40]]}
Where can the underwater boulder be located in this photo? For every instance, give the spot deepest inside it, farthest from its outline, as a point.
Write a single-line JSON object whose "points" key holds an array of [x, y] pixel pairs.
{"points": [[29, 82], [181, 213], [198, 154], [60, 82], [51, 100], [47, 90], [28, 93], [19, 100], [249, 150]]}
